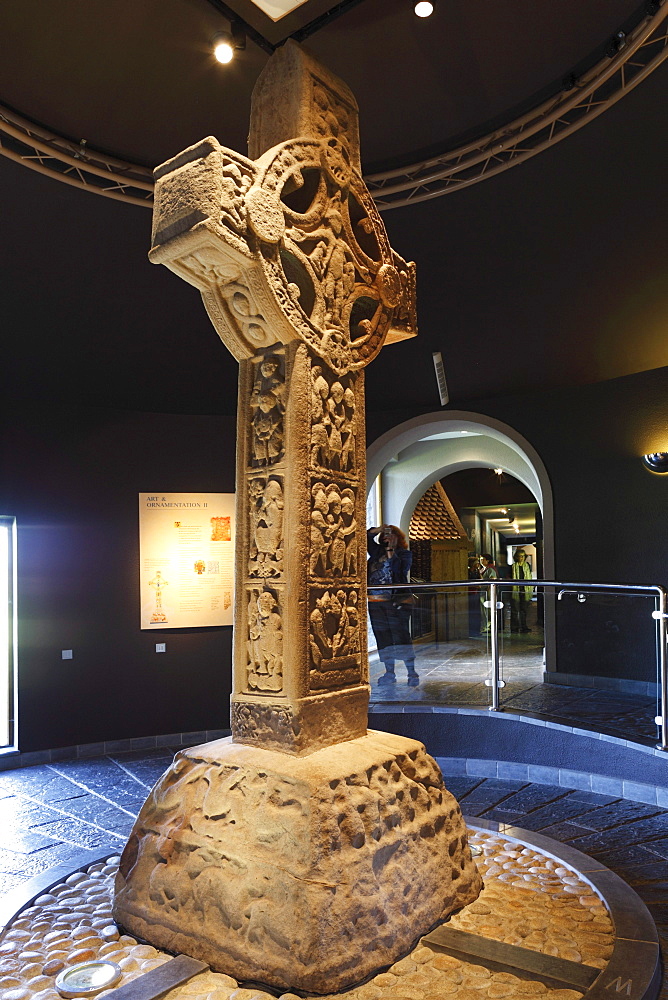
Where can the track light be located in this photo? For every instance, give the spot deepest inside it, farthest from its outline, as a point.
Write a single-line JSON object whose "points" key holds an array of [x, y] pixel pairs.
{"points": [[222, 47], [226, 43], [424, 8], [617, 43]]}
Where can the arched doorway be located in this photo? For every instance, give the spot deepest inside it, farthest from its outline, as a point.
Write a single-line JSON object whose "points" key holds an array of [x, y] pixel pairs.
{"points": [[408, 459], [413, 455]]}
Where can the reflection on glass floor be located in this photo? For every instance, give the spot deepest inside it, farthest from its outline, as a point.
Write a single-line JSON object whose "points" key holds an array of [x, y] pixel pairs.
{"points": [[454, 673]]}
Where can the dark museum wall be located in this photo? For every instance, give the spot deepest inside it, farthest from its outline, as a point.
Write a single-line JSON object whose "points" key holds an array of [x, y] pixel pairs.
{"points": [[71, 477]]}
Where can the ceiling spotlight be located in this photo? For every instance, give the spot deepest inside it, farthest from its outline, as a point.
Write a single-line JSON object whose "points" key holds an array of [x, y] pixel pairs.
{"points": [[226, 43], [616, 44], [223, 49], [424, 8], [498, 472]]}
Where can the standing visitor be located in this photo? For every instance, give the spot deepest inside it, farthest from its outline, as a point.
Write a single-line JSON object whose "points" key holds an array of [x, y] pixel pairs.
{"points": [[521, 595], [390, 613]]}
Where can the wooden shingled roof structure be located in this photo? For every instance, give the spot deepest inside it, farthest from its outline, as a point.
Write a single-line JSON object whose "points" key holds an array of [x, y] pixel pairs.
{"points": [[434, 517]]}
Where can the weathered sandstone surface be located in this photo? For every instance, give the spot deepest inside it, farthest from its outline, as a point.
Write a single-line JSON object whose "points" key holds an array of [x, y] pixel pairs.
{"points": [[308, 873]]}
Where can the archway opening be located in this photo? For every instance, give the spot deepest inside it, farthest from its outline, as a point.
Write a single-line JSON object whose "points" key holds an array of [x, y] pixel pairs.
{"points": [[496, 488]]}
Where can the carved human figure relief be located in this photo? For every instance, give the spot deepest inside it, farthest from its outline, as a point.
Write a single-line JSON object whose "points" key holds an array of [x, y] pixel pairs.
{"points": [[333, 551], [348, 452], [267, 406], [321, 530], [332, 422], [266, 503], [265, 642], [319, 418], [349, 532]]}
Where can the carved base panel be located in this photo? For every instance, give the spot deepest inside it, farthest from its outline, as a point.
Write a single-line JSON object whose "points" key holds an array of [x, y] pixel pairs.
{"points": [[304, 873], [302, 726]]}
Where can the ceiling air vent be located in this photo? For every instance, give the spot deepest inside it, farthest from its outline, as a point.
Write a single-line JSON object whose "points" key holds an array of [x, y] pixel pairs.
{"points": [[440, 378]]}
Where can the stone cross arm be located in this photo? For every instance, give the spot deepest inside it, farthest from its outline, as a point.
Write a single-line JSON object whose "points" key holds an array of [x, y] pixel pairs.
{"points": [[288, 245]]}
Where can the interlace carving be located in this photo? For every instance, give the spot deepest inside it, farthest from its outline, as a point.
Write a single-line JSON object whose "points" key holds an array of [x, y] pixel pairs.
{"points": [[265, 642], [266, 503]]}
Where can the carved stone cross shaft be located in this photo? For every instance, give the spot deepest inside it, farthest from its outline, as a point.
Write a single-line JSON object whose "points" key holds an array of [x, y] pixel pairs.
{"points": [[313, 867], [300, 282]]}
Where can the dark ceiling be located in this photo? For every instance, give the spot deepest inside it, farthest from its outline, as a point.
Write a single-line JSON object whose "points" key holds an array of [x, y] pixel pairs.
{"points": [[552, 273]]}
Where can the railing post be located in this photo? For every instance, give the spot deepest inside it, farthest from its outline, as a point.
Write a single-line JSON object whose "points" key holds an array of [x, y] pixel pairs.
{"points": [[494, 645]]}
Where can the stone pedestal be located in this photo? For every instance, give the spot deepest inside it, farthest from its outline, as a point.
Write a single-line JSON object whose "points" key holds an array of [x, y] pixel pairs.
{"points": [[303, 872]]}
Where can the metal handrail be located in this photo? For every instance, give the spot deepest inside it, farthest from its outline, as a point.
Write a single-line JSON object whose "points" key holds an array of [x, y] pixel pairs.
{"points": [[660, 615]]}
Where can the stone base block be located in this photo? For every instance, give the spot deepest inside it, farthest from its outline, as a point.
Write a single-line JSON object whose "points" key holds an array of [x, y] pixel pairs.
{"points": [[304, 873]]}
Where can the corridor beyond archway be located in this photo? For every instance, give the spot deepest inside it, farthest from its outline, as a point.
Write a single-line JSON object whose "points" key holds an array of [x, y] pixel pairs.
{"points": [[451, 629]]}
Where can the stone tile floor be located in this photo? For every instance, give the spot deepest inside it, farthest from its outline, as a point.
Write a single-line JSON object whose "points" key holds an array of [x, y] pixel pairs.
{"points": [[49, 813]]}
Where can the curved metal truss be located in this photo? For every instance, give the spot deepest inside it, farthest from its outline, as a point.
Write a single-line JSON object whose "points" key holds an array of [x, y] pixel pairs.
{"points": [[51, 154], [638, 54]]}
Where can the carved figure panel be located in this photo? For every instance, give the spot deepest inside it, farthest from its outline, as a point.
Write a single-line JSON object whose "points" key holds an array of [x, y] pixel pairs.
{"points": [[333, 531], [266, 502], [333, 442], [334, 631], [265, 642], [267, 409]]}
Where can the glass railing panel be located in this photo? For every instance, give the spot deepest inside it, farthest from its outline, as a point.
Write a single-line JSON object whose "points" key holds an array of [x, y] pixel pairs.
{"points": [[585, 655], [588, 659], [521, 623], [449, 647]]}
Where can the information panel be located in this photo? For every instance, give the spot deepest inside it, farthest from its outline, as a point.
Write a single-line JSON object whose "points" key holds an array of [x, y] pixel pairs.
{"points": [[186, 559]]}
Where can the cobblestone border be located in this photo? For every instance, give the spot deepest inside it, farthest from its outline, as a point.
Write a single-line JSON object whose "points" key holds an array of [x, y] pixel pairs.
{"points": [[634, 969]]}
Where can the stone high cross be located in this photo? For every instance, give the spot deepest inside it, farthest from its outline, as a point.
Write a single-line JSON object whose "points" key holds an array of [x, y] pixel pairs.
{"points": [[300, 282], [305, 852]]}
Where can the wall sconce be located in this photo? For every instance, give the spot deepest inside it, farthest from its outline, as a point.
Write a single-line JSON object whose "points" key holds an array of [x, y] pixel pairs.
{"points": [[656, 462]]}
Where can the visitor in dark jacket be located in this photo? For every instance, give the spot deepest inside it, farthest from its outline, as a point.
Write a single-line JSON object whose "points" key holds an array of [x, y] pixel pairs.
{"points": [[390, 612]]}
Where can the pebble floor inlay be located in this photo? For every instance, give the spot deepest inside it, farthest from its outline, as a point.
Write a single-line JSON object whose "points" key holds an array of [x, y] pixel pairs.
{"points": [[529, 900]]}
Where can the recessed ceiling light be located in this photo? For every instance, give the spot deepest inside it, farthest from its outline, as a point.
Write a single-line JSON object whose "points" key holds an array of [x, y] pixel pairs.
{"points": [[424, 8]]}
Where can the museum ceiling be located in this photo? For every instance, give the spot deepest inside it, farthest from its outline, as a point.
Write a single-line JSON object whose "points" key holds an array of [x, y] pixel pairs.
{"points": [[552, 273]]}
